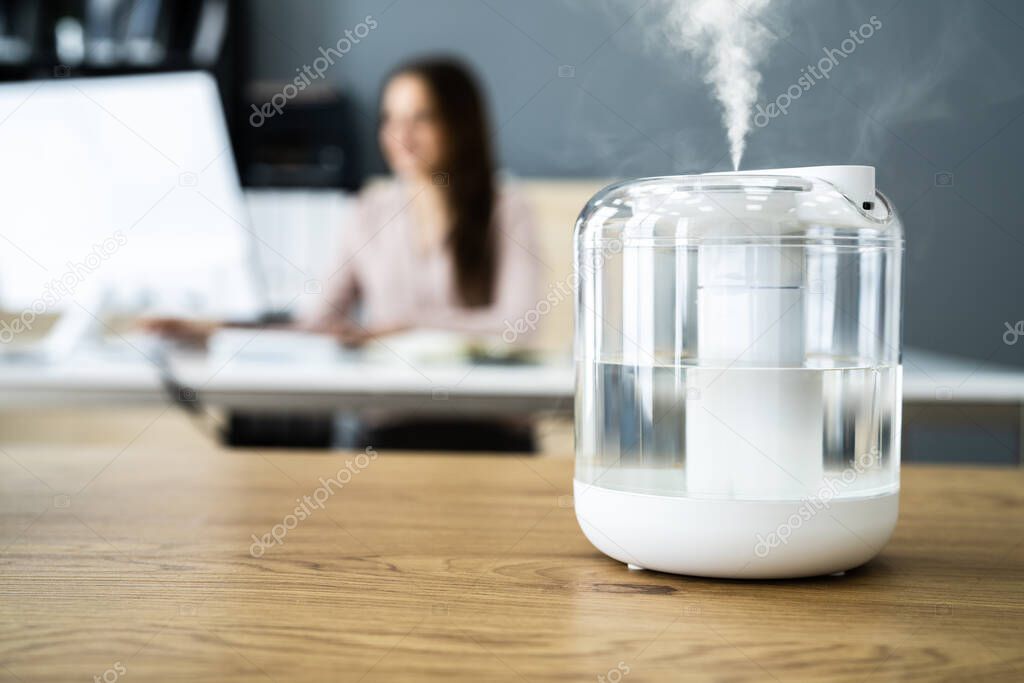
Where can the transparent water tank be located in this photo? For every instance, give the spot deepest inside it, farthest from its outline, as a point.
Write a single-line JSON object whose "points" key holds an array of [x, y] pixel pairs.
{"points": [[738, 372]]}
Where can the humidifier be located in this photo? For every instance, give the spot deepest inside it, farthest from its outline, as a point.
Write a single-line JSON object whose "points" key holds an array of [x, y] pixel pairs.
{"points": [[738, 378]]}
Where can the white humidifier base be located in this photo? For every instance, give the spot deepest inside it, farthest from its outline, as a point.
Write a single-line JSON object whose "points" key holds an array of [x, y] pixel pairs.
{"points": [[735, 539]]}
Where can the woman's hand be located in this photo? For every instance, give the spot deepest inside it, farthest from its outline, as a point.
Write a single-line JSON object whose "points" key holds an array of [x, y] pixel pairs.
{"points": [[350, 336], [188, 331], [354, 336]]}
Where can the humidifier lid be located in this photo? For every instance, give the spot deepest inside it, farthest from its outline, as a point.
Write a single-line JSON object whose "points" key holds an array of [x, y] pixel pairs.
{"points": [[837, 204], [856, 182]]}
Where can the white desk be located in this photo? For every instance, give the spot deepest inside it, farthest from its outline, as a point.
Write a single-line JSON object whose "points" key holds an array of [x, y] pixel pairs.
{"points": [[349, 384], [929, 376], [353, 383]]}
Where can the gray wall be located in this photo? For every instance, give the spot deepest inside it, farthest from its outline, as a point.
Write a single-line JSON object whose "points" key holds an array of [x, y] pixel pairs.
{"points": [[938, 89]]}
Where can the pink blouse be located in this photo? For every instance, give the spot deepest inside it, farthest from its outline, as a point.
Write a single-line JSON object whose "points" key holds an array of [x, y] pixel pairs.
{"points": [[383, 267]]}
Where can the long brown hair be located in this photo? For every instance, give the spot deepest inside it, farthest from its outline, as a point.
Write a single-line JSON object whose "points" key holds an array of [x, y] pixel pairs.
{"points": [[467, 175]]}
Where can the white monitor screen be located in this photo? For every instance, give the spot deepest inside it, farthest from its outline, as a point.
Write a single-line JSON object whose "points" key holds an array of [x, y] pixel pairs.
{"points": [[123, 184]]}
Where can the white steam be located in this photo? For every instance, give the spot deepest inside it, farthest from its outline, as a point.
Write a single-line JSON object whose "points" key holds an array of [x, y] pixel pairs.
{"points": [[731, 40]]}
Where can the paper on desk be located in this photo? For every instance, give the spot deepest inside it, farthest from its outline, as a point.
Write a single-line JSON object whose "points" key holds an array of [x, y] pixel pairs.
{"points": [[272, 345]]}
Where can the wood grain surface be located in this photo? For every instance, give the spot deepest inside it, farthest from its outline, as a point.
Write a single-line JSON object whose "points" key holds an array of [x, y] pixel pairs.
{"points": [[135, 562]]}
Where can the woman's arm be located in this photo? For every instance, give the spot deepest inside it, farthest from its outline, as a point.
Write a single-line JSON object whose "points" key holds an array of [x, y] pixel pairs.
{"points": [[331, 316], [341, 288]]}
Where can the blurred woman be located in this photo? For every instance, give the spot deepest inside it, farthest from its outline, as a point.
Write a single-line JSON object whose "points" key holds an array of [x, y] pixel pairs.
{"points": [[443, 244]]}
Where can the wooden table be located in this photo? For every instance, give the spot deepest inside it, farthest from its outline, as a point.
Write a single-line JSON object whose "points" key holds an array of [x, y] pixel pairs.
{"points": [[136, 562]]}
